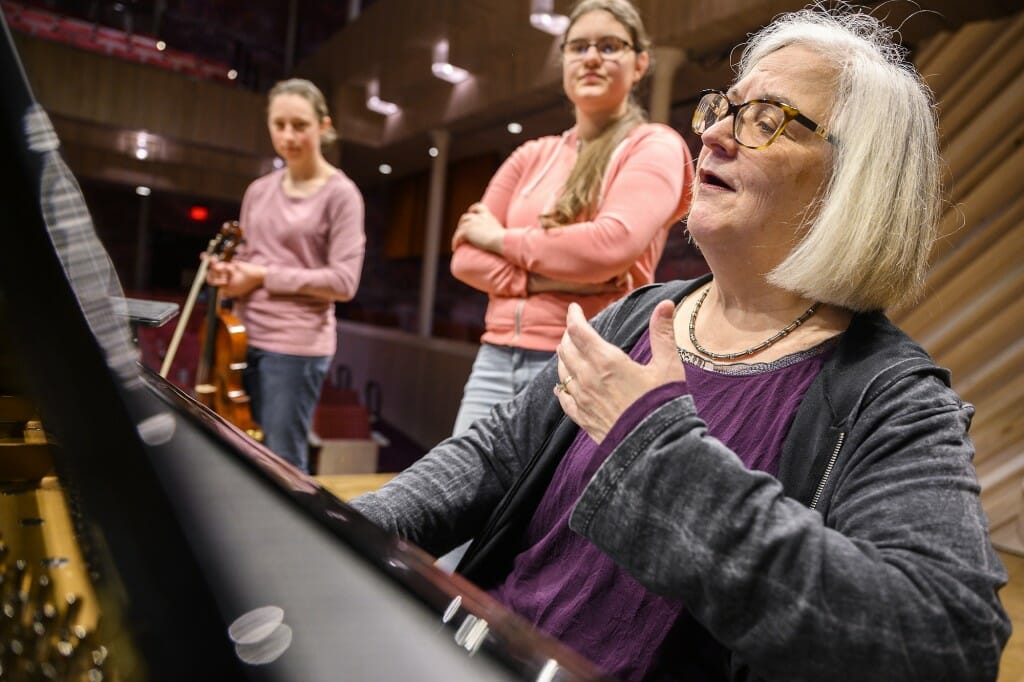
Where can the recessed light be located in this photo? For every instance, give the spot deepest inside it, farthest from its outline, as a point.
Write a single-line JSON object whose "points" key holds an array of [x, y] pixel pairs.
{"points": [[376, 104], [449, 72], [544, 18]]}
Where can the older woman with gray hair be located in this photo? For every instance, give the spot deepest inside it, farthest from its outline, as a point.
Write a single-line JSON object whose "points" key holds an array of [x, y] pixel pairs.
{"points": [[753, 475]]}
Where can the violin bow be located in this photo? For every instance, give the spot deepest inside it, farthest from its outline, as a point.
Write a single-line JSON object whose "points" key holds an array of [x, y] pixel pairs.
{"points": [[193, 294]]}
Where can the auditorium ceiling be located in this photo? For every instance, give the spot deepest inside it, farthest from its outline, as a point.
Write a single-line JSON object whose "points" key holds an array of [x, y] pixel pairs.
{"points": [[354, 49]]}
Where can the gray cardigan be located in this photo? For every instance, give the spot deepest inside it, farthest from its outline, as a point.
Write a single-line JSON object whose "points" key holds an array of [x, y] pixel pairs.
{"points": [[867, 558]]}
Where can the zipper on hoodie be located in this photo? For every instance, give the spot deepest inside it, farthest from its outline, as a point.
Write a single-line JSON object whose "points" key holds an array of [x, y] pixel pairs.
{"points": [[518, 318], [828, 469]]}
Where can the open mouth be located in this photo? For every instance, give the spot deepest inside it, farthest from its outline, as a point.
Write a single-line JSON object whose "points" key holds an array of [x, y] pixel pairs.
{"points": [[709, 178]]}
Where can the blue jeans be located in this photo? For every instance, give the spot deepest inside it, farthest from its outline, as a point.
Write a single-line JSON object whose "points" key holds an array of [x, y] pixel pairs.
{"points": [[284, 390], [498, 374]]}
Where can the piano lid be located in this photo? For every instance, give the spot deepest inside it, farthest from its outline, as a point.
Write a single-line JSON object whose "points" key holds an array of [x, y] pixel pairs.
{"points": [[206, 556]]}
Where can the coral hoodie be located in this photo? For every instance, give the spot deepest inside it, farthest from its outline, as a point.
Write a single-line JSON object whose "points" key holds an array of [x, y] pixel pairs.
{"points": [[646, 190]]}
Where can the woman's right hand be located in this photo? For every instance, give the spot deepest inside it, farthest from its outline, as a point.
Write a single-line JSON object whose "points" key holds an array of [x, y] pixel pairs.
{"points": [[598, 381], [479, 227], [218, 273]]}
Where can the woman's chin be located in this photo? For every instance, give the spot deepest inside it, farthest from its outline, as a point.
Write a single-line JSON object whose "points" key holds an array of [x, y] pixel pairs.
{"points": [[702, 220]]}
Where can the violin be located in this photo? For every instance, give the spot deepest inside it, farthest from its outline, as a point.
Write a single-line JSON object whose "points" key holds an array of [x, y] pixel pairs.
{"points": [[222, 346]]}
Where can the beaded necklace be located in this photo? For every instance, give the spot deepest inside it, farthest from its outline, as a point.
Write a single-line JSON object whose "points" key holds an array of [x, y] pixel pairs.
{"points": [[749, 351]]}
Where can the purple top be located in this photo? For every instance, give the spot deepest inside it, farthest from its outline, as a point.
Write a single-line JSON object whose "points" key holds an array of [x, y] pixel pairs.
{"points": [[570, 589]]}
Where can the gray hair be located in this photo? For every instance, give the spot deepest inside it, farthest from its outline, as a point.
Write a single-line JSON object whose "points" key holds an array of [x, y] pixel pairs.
{"points": [[308, 91], [867, 239]]}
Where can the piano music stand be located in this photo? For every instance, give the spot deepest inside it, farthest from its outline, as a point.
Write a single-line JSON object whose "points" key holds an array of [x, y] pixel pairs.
{"points": [[146, 313]]}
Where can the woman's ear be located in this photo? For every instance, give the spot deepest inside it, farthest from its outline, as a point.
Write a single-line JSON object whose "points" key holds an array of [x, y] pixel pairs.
{"points": [[643, 61]]}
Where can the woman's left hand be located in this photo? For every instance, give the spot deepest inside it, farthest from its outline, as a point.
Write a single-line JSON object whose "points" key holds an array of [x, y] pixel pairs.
{"points": [[598, 381], [479, 227], [243, 278]]}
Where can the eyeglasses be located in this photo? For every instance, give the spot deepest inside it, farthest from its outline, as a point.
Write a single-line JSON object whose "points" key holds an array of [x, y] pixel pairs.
{"points": [[756, 124], [610, 48]]}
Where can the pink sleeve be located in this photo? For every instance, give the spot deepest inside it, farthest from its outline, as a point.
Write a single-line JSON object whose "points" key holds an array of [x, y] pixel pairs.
{"points": [[483, 270], [338, 279], [648, 188]]}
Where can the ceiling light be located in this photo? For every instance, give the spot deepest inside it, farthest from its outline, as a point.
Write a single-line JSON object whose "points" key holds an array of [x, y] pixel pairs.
{"points": [[514, 128], [143, 191], [432, 152], [232, 74], [543, 18], [375, 103], [142, 146], [384, 169], [444, 69], [447, 72], [161, 45]]}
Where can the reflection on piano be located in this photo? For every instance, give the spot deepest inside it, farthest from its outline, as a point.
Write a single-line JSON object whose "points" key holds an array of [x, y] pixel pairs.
{"points": [[144, 538]]}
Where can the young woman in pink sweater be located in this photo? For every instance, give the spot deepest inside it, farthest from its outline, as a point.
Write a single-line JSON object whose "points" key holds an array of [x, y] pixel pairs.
{"points": [[303, 250], [582, 217]]}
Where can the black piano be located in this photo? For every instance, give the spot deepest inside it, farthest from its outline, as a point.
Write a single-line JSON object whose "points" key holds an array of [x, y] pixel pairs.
{"points": [[144, 538]]}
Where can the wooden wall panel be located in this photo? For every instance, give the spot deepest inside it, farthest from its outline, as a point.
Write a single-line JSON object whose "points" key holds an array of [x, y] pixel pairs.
{"points": [[93, 87], [210, 139], [972, 315]]}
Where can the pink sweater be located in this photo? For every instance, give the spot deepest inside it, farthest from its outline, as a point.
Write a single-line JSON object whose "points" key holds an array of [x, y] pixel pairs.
{"points": [[313, 249], [646, 191]]}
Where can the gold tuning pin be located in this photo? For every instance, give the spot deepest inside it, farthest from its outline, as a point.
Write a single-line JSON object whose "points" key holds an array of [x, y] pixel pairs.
{"points": [[33, 432]]}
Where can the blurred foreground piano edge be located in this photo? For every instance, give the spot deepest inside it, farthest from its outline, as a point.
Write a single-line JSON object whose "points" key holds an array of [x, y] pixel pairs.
{"points": [[144, 538]]}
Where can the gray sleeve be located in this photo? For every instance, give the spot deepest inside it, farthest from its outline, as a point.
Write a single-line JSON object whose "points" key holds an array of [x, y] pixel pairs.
{"points": [[446, 497], [898, 582]]}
